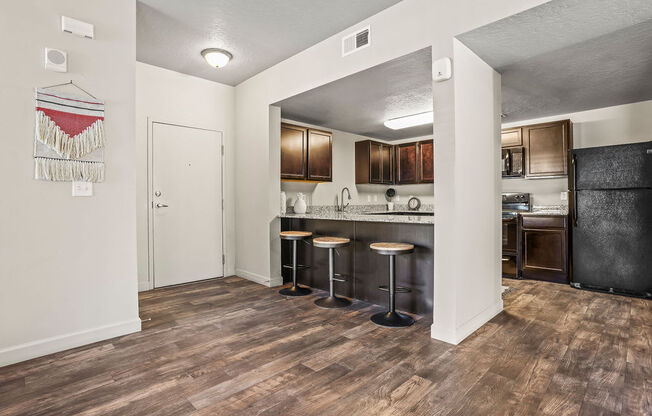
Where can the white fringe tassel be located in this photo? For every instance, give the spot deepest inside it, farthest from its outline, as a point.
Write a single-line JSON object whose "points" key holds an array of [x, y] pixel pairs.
{"points": [[47, 132], [67, 170]]}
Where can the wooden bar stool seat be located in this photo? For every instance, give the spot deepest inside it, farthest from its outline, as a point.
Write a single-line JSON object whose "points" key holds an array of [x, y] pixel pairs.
{"points": [[331, 243], [294, 236], [392, 249], [392, 318]]}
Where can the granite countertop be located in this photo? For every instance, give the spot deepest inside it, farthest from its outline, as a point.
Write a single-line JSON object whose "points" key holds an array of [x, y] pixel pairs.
{"points": [[362, 213], [543, 210]]}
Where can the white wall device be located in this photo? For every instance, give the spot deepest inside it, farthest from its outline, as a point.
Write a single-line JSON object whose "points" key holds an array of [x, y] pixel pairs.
{"points": [[80, 188], [77, 27], [442, 69], [56, 60]]}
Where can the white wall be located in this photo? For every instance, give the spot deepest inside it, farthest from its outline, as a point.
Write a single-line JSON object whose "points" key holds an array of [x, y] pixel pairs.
{"points": [[620, 124], [401, 29], [167, 96], [324, 193], [67, 265]]}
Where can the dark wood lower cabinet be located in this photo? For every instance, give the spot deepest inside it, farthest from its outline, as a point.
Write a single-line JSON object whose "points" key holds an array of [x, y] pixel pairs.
{"points": [[544, 245], [364, 269]]}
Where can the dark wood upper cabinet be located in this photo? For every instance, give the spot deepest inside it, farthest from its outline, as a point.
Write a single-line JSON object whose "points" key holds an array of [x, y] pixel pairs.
{"points": [[406, 163], [511, 137], [425, 170], [306, 154], [374, 162], [546, 148], [294, 149], [387, 163], [545, 248], [320, 155]]}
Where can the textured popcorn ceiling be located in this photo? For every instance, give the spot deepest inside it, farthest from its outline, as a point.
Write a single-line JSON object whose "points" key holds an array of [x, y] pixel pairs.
{"points": [[259, 33], [361, 102], [570, 55]]}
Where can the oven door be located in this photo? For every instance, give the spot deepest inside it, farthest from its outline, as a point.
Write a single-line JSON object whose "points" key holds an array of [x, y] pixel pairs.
{"points": [[510, 248]]}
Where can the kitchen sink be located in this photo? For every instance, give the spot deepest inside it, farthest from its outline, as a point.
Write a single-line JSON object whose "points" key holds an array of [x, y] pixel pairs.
{"points": [[424, 213]]}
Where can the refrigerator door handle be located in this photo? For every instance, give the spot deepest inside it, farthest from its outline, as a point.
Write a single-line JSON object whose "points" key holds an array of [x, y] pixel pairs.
{"points": [[574, 163]]}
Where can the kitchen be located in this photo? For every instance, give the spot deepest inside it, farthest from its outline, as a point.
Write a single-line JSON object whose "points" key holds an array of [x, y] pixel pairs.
{"points": [[348, 172], [575, 155]]}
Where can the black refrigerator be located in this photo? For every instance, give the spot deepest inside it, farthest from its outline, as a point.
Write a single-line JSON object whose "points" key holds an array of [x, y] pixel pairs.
{"points": [[611, 233]]}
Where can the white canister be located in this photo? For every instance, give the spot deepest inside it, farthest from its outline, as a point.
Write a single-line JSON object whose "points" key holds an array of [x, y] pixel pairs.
{"points": [[390, 206], [283, 203], [300, 204]]}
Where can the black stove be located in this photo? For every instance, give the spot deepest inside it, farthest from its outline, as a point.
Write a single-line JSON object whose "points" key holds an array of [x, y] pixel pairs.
{"points": [[513, 203]]}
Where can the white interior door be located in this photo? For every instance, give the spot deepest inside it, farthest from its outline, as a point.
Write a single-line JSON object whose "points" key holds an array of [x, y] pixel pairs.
{"points": [[186, 204]]}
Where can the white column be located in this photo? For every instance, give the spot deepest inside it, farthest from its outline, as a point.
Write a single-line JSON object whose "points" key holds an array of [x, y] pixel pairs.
{"points": [[467, 198]]}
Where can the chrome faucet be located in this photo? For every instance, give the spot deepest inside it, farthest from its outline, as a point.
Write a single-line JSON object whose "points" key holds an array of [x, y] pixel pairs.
{"points": [[342, 206]]}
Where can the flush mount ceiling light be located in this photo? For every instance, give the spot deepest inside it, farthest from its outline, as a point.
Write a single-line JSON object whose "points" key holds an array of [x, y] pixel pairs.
{"points": [[216, 57], [409, 121]]}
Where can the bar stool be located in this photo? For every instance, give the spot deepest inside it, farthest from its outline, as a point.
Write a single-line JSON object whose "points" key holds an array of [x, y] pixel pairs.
{"points": [[295, 236], [391, 318], [331, 243]]}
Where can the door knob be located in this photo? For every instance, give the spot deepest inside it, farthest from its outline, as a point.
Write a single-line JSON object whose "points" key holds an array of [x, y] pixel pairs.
{"points": [[159, 205]]}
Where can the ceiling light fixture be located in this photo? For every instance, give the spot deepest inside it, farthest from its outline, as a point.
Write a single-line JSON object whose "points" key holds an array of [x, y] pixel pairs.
{"points": [[216, 57], [409, 121]]}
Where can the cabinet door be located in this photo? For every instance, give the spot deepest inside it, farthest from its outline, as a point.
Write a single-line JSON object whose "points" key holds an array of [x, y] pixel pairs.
{"points": [[387, 153], [545, 254], [426, 162], [547, 147], [511, 137], [406, 163], [320, 152], [375, 163], [293, 152]]}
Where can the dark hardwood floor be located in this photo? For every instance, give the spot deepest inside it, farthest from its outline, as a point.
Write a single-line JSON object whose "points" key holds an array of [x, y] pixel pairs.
{"points": [[232, 347]]}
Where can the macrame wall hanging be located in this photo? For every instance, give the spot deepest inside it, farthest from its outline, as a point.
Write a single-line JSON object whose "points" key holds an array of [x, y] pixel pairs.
{"points": [[69, 137]]}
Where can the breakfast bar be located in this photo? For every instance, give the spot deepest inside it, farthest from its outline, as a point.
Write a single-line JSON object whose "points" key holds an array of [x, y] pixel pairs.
{"points": [[362, 270]]}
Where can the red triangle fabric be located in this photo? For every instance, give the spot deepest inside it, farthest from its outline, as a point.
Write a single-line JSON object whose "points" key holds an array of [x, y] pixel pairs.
{"points": [[71, 123]]}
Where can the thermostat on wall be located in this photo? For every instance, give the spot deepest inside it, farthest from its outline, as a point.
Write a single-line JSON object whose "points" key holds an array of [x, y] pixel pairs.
{"points": [[442, 69], [56, 60], [77, 27]]}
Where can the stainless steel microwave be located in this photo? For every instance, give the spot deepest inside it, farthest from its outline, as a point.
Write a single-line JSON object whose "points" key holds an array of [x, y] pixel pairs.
{"points": [[513, 162]]}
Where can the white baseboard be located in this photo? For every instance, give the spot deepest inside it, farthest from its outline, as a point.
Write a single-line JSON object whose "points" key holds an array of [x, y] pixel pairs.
{"points": [[254, 277], [144, 285], [460, 333], [51, 345]]}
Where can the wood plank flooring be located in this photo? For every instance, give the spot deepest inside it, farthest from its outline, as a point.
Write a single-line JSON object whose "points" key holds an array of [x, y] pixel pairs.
{"points": [[232, 347]]}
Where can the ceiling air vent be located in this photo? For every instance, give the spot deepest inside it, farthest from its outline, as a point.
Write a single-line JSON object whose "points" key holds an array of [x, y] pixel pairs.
{"points": [[356, 41]]}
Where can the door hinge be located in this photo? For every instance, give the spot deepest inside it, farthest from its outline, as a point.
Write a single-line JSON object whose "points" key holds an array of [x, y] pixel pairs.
{"points": [[223, 259], [222, 150], [222, 205]]}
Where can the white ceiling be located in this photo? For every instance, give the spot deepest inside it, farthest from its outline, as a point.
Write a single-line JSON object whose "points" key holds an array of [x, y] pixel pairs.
{"points": [[361, 102], [569, 55], [259, 33]]}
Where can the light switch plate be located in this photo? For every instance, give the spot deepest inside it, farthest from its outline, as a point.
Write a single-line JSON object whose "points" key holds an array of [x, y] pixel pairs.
{"points": [[564, 196], [80, 188]]}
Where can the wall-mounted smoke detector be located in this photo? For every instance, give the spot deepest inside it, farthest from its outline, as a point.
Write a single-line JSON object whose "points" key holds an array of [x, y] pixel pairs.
{"points": [[356, 41]]}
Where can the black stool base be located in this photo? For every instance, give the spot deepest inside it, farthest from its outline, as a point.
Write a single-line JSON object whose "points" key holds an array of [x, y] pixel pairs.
{"points": [[392, 319], [332, 302], [295, 291]]}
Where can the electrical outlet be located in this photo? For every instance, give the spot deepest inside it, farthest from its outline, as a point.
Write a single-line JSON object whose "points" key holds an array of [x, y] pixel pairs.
{"points": [[80, 188], [564, 196]]}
